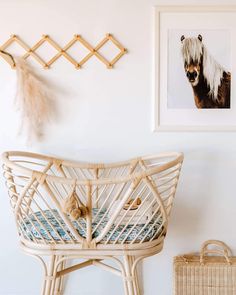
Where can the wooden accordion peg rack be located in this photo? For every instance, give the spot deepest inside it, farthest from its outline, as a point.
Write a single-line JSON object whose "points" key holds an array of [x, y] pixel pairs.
{"points": [[62, 51]]}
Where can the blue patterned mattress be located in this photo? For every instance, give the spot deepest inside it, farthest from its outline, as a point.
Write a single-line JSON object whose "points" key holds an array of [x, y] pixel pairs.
{"points": [[51, 226]]}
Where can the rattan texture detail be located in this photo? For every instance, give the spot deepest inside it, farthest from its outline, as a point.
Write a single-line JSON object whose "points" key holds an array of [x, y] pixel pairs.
{"points": [[203, 274], [63, 51], [126, 208]]}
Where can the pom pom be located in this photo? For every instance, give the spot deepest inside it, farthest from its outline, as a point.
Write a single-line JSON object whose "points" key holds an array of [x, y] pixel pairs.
{"points": [[71, 206]]}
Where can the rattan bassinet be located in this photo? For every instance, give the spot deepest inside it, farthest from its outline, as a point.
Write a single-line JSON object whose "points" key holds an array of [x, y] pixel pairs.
{"points": [[66, 210]]}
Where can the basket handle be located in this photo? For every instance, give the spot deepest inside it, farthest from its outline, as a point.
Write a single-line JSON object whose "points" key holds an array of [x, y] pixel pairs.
{"points": [[223, 250]]}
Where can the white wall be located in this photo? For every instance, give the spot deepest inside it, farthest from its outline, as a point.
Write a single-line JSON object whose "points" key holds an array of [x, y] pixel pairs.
{"points": [[105, 115]]}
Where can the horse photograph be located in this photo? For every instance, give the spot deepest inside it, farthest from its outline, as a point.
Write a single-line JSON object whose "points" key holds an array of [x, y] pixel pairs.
{"points": [[203, 77], [209, 80]]}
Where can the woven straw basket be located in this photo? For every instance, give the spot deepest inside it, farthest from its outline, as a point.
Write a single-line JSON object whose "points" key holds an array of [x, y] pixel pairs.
{"points": [[205, 274]]}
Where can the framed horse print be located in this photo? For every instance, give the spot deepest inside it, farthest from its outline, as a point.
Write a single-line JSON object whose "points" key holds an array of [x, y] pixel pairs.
{"points": [[195, 66]]}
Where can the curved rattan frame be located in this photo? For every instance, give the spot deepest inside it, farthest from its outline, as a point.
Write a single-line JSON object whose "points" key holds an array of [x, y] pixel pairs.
{"points": [[34, 179]]}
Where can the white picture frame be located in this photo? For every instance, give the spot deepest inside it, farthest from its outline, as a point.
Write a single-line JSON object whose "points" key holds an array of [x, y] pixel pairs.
{"points": [[166, 119]]}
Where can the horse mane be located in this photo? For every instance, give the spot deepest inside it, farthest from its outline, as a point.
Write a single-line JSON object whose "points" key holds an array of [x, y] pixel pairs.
{"points": [[193, 50]]}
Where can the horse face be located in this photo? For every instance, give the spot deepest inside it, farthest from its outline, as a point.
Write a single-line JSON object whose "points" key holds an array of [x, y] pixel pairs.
{"points": [[192, 72]]}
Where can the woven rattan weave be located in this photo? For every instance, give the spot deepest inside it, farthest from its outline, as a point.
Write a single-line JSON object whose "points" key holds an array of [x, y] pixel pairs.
{"points": [[68, 210], [203, 274]]}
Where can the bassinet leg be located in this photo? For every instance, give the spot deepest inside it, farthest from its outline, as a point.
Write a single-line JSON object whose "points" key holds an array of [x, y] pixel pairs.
{"points": [[57, 285], [61, 280], [135, 274], [129, 280], [48, 276]]}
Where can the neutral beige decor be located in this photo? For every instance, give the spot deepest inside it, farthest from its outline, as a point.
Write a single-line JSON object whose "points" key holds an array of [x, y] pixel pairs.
{"points": [[65, 211], [33, 100], [202, 274], [64, 51]]}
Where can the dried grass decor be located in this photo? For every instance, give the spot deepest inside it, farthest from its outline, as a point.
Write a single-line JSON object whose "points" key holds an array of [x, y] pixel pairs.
{"points": [[33, 100]]}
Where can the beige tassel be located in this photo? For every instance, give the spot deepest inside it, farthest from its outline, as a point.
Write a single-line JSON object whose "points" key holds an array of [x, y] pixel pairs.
{"points": [[73, 207], [32, 99]]}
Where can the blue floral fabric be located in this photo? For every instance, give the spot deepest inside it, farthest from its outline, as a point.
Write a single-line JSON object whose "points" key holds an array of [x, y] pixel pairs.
{"points": [[49, 225]]}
